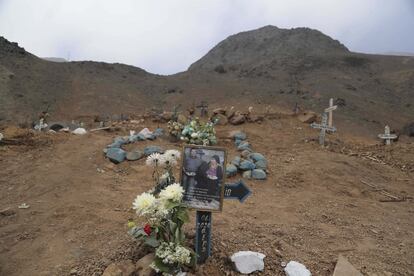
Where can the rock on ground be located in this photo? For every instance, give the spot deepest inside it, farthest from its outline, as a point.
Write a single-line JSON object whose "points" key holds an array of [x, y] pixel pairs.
{"points": [[134, 155], [248, 261], [345, 268], [247, 174], [257, 156], [116, 155], [247, 165], [294, 268], [221, 119], [236, 161], [153, 149], [238, 135], [231, 170], [79, 131], [121, 268], [261, 164], [142, 267], [259, 174], [237, 120]]}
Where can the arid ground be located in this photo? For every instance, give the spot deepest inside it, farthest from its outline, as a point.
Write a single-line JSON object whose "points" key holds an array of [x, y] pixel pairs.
{"points": [[315, 204]]}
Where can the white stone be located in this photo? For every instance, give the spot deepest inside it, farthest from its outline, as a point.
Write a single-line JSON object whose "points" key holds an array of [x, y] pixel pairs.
{"points": [[1, 136], [79, 131], [296, 269], [145, 132], [248, 261]]}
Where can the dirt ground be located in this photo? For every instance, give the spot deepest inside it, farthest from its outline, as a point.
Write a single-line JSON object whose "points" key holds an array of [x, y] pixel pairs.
{"points": [[315, 204]]}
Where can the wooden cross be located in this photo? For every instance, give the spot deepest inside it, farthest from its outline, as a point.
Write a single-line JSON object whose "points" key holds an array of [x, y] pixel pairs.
{"points": [[387, 136], [323, 127], [329, 110], [203, 109]]}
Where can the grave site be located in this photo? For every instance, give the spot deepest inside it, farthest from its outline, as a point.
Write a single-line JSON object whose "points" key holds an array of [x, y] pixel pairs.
{"points": [[310, 147]]}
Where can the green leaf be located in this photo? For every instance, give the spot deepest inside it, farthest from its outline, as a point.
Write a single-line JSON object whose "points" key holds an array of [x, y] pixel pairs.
{"points": [[173, 226], [151, 241], [170, 205], [183, 215], [162, 267]]}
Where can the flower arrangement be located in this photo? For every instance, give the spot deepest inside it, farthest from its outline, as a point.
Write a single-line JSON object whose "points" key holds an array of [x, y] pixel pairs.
{"points": [[164, 214], [199, 133], [175, 128]]}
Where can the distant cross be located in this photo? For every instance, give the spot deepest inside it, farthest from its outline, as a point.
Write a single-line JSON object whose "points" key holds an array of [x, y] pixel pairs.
{"points": [[329, 110], [203, 109], [41, 125], [323, 127], [296, 109], [387, 136]]}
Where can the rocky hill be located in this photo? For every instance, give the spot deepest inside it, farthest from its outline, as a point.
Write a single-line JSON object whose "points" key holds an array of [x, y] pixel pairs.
{"points": [[267, 66]]}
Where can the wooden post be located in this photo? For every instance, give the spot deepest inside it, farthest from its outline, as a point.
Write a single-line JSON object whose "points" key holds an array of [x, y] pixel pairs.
{"points": [[330, 110], [203, 236]]}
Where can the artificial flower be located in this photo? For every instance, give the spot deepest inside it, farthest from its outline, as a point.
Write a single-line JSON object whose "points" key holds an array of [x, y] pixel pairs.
{"points": [[173, 192], [144, 204], [153, 160]]}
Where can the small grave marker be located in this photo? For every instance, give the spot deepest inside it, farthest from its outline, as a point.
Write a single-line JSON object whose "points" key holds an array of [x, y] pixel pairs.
{"points": [[203, 236], [237, 191], [203, 106], [387, 136], [329, 110], [323, 127]]}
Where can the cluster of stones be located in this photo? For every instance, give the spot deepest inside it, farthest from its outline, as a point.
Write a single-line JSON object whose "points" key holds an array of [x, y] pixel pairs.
{"points": [[250, 164], [116, 154], [223, 116]]}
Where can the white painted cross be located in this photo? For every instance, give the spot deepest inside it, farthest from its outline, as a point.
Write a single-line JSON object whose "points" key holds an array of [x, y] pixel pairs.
{"points": [[41, 125], [387, 136], [329, 110], [323, 127]]}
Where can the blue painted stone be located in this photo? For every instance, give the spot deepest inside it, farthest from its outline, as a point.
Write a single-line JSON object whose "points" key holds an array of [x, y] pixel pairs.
{"points": [[136, 137], [259, 174], [231, 170], [116, 155], [246, 165], [117, 144], [240, 136], [261, 164], [236, 161], [237, 142], [153, 149], [151, 137], [134, 155], [158, 132], [244, 146], [257, 156], [247, 174]]}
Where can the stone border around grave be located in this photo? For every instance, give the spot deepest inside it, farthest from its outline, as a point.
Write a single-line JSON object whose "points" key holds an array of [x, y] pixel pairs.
{"points": [[252, 165]]}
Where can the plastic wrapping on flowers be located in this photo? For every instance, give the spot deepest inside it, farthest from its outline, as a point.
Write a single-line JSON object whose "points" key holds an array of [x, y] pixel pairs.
{"points": [[199, 133]]}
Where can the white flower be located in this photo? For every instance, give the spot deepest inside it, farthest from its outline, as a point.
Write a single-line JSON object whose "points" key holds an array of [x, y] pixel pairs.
{"points": [[168, 161], [153, 160], [144, 204], [172, 154], [194, 135], [172, 192], [172, 253]]}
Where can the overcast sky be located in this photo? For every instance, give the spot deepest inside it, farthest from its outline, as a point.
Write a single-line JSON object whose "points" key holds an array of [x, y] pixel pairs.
{"points": [[165, 37]]}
